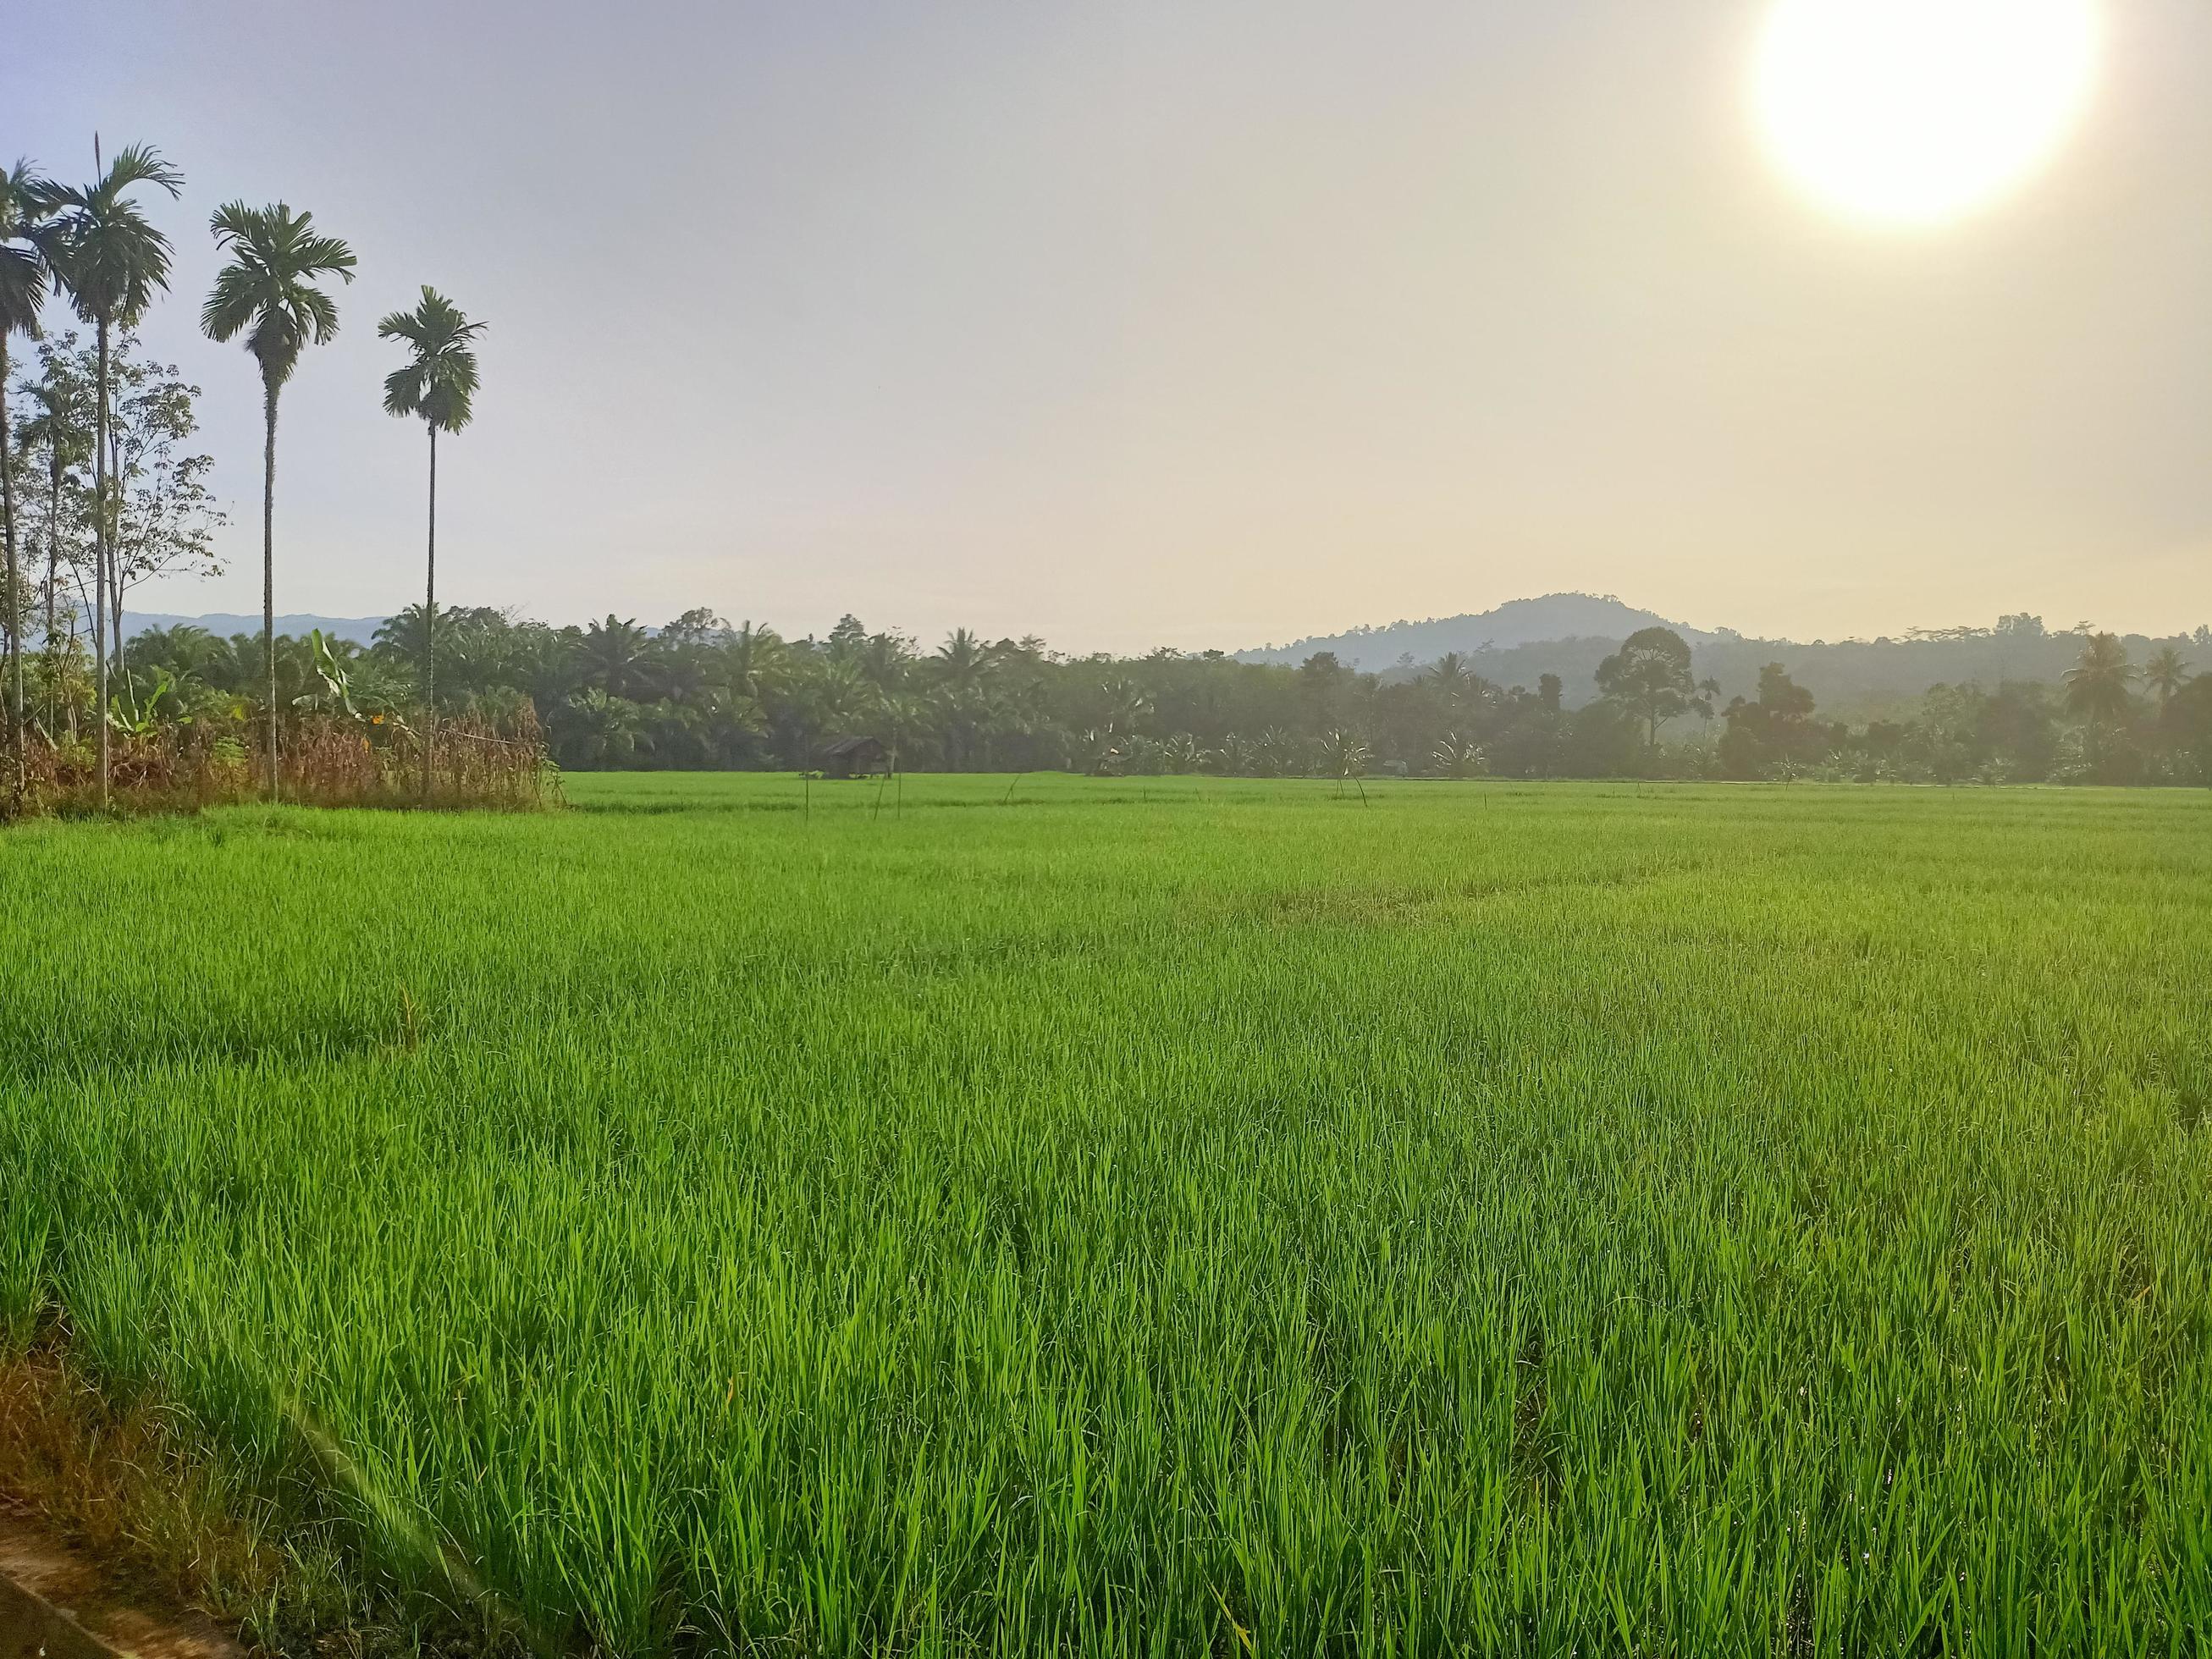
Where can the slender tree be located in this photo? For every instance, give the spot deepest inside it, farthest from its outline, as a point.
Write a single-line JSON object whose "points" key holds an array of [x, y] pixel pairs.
{"points": [[58, 430], [268, 293], [112, 261], [27, 241], [437, 384]]}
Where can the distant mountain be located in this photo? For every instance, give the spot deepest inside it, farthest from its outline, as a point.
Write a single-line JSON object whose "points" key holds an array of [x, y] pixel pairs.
{"points": [[1570, 633], [1517, 622], [224, 623]]}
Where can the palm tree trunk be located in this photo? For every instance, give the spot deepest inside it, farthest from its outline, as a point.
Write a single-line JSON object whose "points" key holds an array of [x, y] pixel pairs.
{"points": [[430, 620], [269, 570], [115, 564], [100, 564], [15, 593]]}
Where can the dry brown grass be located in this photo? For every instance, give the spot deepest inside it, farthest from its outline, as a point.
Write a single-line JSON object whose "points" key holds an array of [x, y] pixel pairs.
{"points": [[323, 761], [135, 1485]]}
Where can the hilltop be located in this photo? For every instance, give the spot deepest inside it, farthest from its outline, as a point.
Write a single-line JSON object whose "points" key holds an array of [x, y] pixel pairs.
{"points": [[1517, 621]]}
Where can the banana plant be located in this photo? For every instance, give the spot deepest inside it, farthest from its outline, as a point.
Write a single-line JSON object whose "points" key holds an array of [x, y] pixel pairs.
{"points": [[135, 716], [336, 695]]}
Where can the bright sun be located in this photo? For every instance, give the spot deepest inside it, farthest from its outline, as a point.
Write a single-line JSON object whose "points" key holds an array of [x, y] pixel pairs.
{"points": [[1913, 112]]}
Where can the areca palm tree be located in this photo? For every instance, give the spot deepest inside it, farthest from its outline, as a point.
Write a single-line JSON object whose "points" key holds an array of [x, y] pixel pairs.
{"points": [[28, 237], [111, 261], [268, 293], [439, 385]]}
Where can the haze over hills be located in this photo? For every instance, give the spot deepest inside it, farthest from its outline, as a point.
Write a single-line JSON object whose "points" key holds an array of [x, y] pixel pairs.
{"points": [[1517, 621], [224, 623], [1570, 633]]}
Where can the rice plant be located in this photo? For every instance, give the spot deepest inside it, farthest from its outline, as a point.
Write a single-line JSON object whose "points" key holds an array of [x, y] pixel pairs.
{"points": [[1150, 1215]]}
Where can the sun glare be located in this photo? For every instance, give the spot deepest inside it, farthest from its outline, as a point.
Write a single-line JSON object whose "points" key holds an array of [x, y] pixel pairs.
{"points": [[1909, 112]]}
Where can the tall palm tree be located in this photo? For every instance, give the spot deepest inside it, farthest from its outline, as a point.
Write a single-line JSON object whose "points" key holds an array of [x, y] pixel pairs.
{"points": [[111, 262], [268, 293], [27, 236], [2097, 685], [963, 659], [2166, 673], [438, 383]]}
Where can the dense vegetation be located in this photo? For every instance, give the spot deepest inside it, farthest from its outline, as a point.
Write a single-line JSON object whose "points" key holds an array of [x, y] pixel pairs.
{"points": [[95, 473], [697, 694], [1124, 1214]]}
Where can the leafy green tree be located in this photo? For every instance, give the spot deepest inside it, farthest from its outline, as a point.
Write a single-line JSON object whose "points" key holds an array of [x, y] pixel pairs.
{"points": [[28, 238], [1649, 677], [1775, 730], [111, 261], [165, 515], [268, 293], [439, 385]]}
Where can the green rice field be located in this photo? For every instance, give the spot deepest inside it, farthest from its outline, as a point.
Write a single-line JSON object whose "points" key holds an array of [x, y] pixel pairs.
{"points": [[1161, 1216]]}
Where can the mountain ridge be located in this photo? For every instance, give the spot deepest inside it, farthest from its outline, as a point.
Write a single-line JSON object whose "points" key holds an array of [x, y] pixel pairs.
{"points": [[1545, 619], [223, 624]]}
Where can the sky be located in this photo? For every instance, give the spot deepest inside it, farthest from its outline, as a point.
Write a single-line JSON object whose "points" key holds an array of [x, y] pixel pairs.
{"points": [[1192, 323]]}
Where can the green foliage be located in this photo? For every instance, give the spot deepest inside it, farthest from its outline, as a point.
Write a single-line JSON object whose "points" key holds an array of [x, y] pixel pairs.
{"points": [[438, 383], [267, 291], [1502, 1218], [1649, 678], [109, 258]]}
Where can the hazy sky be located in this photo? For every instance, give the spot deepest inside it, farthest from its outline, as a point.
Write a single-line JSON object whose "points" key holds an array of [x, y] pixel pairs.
{"points": [[1201, 322]]}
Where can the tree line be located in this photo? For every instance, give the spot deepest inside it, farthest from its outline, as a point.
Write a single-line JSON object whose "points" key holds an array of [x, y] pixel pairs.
{"points": [[699, 693], [99, 489], [114, 513]]}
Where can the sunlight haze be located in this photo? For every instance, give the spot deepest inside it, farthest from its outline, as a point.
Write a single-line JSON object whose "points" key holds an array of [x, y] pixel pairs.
{"points": [[1145, 323]]}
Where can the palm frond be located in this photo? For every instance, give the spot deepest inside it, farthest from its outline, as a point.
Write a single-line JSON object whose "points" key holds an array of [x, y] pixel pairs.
{"points": [[142, 164], [267, 290]]}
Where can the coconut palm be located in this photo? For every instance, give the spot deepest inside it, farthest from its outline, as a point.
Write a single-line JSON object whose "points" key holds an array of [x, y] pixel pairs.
{"points": [[111, 261], [268, 293], [2166, 673], [2096, 686], [437, 384], [1452, 679], [964, 661], [27, 236]]}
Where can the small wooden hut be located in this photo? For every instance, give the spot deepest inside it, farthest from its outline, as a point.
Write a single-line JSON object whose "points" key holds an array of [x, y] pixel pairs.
{"points": [[853, 758]]}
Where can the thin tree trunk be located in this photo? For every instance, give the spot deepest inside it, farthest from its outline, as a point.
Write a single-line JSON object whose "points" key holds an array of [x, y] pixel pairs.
{"points": [[15, 593], [100, 564], [430, 621], [115, 556], [54, 581], [269, 570]]}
